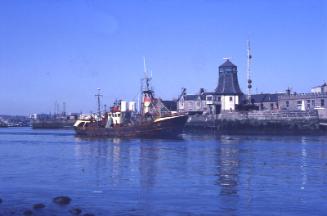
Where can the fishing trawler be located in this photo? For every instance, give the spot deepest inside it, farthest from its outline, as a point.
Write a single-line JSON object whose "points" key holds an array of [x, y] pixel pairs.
{"points": [[152, 120]]}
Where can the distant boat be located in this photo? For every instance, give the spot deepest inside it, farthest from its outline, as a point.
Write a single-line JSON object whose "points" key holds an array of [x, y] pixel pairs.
{"points": [[3, 124], [153, 120], [53, 121]]}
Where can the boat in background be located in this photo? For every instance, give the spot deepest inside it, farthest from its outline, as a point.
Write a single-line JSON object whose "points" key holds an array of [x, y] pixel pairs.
{"points": [[58, 121], [3, 124]]}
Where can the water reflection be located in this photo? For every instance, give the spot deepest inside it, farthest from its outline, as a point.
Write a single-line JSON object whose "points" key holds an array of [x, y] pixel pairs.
{"points": [[303, 162], [124, 160], [203, 170], [229, 164], [148, 165], [228, 174]]}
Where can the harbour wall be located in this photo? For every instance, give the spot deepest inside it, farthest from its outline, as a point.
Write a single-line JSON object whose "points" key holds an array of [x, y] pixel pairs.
{"points": [[266, 121], [322, 113]]}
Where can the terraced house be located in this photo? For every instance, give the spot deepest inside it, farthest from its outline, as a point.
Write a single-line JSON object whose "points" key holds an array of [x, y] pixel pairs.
{"points": [[317, 99]]}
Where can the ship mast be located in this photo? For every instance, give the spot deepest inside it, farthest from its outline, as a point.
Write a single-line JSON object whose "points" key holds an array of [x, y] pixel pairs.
{"points": [[64, 108], [248, 72], [99, 102], [146, 78], [146, 91]]}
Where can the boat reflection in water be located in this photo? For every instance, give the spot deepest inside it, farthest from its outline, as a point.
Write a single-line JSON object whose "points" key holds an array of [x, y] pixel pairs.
{"points": [[132, 160], [198, 175], [218, 175]]}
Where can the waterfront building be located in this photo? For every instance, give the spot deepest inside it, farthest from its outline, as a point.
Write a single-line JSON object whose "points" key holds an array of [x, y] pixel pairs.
{"points": [[320, 89], [317, 99], [303, 101], [226, 97], [193, 104], [266, 101], [229, 97]]}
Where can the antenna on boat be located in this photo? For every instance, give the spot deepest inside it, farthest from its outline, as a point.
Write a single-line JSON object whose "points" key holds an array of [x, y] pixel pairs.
{"points": [[146, 93], [147, 79], [99, 100], [145, 69], [64, 108]]}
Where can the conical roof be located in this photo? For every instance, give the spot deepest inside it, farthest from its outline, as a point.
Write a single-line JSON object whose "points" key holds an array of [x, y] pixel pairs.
{"points": [[227, 63], [228, 81]]}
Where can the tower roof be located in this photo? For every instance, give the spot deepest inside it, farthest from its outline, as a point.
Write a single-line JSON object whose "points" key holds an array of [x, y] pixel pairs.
{"points": [[228, 81], [227, 63]]}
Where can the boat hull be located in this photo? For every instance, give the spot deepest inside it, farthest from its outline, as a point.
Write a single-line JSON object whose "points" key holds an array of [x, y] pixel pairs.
{"points": [[169, 127]]}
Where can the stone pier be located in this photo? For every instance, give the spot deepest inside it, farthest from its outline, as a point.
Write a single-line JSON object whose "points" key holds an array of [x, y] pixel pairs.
{"points": [[267, 121]]}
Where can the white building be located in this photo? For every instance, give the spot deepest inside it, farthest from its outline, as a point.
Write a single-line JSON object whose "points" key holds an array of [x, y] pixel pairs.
{"points": [[226, 97]]}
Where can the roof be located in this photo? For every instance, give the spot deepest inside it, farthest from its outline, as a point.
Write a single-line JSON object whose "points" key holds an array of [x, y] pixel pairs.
{"points": [[228, 84], [193, 97], [227, 63], [228, 81], [261, 98], [320, 86]]}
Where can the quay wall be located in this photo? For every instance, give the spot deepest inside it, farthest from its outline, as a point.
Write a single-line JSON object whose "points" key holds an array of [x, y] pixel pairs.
{"points": [[322, 114], [259, 121]]}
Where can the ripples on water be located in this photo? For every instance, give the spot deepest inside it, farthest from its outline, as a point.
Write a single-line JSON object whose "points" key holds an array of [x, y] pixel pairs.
{"points": [[196, 175]]}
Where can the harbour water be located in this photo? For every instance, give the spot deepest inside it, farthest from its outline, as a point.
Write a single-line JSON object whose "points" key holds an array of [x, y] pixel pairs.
{"points": [[200, 174]]}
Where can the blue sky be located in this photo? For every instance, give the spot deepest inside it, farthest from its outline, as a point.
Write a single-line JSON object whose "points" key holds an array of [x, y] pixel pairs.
{"points": [[63, 50]]}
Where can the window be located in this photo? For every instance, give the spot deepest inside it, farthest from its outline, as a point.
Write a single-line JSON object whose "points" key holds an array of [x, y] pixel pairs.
{"points": [[322, 102], [230, 98], [190, 105], [209, 98], [287, 104], [271, 106], [308, 104], [299, 105], [313, 103], [219, 98]]}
